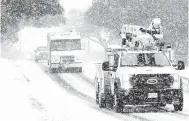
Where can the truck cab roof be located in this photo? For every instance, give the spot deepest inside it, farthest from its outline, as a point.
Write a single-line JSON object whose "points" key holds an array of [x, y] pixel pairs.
{"points": [[66, 35]]}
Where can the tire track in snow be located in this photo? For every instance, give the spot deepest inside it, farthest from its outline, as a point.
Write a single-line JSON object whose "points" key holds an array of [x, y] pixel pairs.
{"points": [[85, 79]]}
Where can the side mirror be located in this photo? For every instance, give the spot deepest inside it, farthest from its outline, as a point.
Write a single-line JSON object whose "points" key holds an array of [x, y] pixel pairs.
{"points": [[105, 66], [181, 65]]}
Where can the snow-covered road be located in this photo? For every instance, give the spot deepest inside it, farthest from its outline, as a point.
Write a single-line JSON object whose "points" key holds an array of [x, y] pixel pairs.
{"points": [[29, 92], [71, 97]]}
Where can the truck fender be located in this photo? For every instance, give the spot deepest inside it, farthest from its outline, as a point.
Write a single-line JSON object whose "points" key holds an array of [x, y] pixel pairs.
{"points": [[97, 84], [115, 85]]}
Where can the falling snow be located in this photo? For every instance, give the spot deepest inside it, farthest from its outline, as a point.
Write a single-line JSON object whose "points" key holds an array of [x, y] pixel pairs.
{"points": [[76, 78]]}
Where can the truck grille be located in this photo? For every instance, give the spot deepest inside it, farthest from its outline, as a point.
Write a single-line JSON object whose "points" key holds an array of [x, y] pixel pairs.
{"points": [[151, 81], [67, 59]]}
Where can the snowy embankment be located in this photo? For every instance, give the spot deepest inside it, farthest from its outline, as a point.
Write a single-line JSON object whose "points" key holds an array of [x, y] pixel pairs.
{"points": [[15, 104]]}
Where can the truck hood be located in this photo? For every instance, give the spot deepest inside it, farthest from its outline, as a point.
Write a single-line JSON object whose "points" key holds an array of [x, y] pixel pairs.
{"points": [[147, 70]]}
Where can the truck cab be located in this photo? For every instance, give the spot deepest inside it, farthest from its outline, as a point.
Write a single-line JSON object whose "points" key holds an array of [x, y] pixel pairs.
{"points": [[65, 52], [138, 78]]}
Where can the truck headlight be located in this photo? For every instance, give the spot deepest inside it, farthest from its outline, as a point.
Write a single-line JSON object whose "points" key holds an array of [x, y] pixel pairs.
{"points": [[125, 83], [77, 59], [176, 81], [55, 58]]}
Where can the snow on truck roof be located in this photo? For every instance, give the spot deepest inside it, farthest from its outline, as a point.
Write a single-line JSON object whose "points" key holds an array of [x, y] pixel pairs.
{"points": [[59, 35]]}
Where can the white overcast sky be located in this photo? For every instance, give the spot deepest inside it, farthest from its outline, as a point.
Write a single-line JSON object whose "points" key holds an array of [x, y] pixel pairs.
{"points": [[75, 4]]}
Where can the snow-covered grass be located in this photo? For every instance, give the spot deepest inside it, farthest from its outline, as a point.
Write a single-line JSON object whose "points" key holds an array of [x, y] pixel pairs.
{"points": [[14, 91]]}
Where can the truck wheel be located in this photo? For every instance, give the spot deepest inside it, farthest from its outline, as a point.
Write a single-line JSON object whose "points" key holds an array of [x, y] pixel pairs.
{"points": [[97, 98], [59, 70], [53, 70], [179, 107], [97, 94], [118, 104], [80, 70], [102, 102]]}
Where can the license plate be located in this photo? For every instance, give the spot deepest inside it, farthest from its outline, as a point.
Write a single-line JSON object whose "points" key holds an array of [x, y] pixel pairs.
{"points": [[152, 95]]}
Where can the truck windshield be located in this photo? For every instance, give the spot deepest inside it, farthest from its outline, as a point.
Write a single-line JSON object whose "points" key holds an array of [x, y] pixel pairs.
{"points": [[66, 45], [144, 59]]}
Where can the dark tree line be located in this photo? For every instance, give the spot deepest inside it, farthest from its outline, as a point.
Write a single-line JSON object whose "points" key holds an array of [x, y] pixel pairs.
{"points": [[17, 12]]}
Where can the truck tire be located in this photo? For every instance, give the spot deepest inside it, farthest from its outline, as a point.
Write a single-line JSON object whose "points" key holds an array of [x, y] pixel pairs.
{"points": [[53, 70], [97, 98], [102, 102], [117, 103], [97, 94], [59, 70], [80, 70], [179, 107]]}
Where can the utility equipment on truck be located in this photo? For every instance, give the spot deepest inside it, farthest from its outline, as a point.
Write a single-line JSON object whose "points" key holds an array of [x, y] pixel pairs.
{"points": [[135, 75]]}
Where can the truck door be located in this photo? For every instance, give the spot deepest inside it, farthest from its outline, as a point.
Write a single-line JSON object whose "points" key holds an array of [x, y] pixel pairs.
{"points": [[109, 75]]}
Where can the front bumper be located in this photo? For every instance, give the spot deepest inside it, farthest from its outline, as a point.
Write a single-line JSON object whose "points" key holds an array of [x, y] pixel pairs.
{"points": [[70, 65], [153, 96], [66, 66]]}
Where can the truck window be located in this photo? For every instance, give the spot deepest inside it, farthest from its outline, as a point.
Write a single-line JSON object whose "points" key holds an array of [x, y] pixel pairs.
{"points": [[65, 45], [144, 59]]}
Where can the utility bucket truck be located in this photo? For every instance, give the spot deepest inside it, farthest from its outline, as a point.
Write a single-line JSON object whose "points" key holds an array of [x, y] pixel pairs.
{"points": [[139, 75], [65, 52]]}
